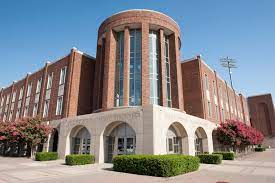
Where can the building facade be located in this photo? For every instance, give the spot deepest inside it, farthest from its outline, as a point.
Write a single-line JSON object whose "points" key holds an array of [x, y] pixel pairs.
{"points": [[208, 96], [262, 114], [135, 97], [56, 91]]}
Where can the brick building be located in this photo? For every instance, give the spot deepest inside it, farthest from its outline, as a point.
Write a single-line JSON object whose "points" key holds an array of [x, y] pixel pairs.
{"points": [[262, 114], [131, 99], [208, 96], [59, 90]]}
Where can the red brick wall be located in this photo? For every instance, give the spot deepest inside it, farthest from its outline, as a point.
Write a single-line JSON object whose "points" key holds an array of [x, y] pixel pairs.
{"points": [[261, 109], [195, 95], [78, 88], [192, 90]]}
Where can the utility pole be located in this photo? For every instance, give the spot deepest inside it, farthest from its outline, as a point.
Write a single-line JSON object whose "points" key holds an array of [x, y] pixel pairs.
{"points": [[229, 63]]}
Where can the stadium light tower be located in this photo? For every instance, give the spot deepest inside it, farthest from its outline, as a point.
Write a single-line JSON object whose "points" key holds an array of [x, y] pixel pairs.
{"points": [[229, 63]]}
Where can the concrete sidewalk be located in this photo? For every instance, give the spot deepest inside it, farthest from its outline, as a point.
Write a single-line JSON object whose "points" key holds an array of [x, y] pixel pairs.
{"points": [[254, 168]]}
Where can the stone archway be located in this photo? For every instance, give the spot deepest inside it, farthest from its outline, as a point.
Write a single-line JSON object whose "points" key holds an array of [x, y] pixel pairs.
{"points": [[80, 140], [200, 141], [119, 138], [177, 139]]}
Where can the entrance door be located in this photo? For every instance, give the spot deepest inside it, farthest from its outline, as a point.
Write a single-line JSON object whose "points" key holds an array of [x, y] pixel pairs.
{"points": [[120, 146], [198, 146]]}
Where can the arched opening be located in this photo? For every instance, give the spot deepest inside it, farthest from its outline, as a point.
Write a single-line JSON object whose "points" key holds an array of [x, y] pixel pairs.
{"points": [[53, 146], [80, 140], [119, 139], [201, 144], [176, 139]]}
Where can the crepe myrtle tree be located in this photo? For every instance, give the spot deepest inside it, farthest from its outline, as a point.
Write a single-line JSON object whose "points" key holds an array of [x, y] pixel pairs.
{"points": [[235, 134], [30, 131]]}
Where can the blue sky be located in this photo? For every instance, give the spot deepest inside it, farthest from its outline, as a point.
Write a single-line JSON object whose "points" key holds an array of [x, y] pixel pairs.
{"points": [[35, 31]]}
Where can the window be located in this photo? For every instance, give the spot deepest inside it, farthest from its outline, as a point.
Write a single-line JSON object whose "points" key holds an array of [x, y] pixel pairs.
{"points": [[26, 111], [167, 71], [29, 89], [217, 112], [154, 67], [62, 78], [21, 93], [49, 82], [38, 86], [59, 105], [214, 88], [119, 70], [222, 114], [46, 108], [10, 116], [17, 114], [209, 108], [13, 97], [8, 99], [135, 68], [35, 110], [206, 82]]}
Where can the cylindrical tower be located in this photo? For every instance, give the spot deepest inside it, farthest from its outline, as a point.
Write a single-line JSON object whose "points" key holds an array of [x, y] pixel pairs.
{"points": [[138, 61]]}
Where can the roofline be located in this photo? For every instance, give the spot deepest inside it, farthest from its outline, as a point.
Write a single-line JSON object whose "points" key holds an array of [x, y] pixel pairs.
{"points": [[259, 95], [145, 10]]}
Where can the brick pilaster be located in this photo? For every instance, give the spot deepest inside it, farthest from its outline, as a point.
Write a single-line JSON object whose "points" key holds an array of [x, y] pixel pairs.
{"points": [[126, 69], [145, 82]]}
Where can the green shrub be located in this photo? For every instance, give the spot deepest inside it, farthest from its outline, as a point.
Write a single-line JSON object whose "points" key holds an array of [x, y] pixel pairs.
{"points": [[226, 155], [79, 159], [46, 156], [210, 158], [260, 149], [156, 165]]}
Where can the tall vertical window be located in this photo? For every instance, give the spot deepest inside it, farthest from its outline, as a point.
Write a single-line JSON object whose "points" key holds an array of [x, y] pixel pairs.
{"points": [[38, 86], [59, 105], [49, 82], [46, 108], [26, 111], [154, 67], [135, 67], [62, 78], [13, 97], [206, 82], [29, 89], [35, 110], [167, 71], [119, 69], [21, 93], [209, 108]]}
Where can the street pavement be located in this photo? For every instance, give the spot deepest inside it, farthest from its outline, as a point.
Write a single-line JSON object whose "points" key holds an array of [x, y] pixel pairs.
{"points": [[254, 168]]}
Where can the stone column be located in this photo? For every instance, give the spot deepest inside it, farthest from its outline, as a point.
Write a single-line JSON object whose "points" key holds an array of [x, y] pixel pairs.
{"points": [[126, 66], [162, 64], [99, 148], [145, 83], [191, 145], [109, 71], [209, 142]]}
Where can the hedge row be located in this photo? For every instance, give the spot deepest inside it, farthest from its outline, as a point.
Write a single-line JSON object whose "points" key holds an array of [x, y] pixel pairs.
{"points": [[79, 159], [260, 149], [46, 156], [226, 155], [210, 158], [156, 165]]}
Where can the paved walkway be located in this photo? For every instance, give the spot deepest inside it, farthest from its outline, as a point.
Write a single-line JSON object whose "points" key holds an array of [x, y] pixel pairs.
{"points": [[255, 168]]}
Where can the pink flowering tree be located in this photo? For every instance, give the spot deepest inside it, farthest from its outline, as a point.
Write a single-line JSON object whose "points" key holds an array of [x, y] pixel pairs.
{"points": [[30, 131], [236, 134]]}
